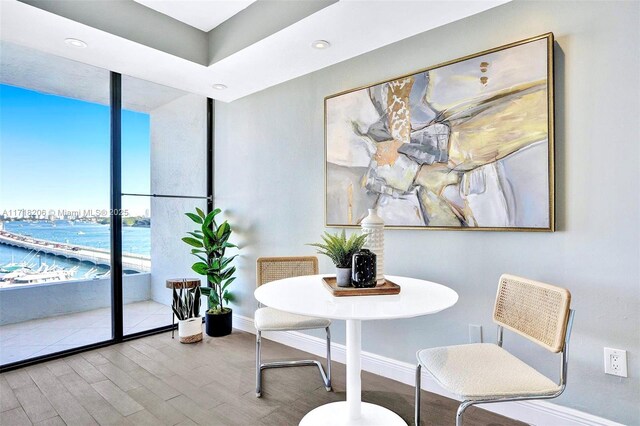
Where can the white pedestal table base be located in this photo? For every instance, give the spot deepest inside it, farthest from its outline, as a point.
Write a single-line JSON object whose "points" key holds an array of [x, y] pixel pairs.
{"points": [[337, 413], [353, 411]]}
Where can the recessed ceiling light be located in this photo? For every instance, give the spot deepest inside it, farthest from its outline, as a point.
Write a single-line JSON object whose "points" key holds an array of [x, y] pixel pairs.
{"points": [[75, 43], [219, 86], [320, 44]]}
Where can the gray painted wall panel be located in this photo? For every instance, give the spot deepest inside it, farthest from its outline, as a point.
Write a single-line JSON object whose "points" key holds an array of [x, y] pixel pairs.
{"points": [[269, 177]]}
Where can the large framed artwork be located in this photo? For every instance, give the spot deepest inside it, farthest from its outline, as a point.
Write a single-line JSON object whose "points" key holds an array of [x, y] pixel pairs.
{"points": [[464, 145]]}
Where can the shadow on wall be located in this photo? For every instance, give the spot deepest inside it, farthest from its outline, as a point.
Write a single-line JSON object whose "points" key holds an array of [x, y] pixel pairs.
{"points": [[244, 236], [560, 134]]}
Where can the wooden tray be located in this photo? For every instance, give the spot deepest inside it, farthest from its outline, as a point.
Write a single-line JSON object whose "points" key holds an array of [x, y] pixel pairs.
{"points": [[382, 289]]}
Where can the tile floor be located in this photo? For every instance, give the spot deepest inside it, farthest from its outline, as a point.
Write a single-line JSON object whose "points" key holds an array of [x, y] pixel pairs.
{"points": [[158, 381], [47, 335]]}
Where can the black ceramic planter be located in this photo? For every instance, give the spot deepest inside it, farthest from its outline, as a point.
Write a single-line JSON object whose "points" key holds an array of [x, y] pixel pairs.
{"points": [[364, 269], [218, 325]]}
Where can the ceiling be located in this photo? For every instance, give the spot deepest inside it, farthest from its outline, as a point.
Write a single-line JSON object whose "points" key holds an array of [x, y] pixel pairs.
{"points": [[203, 15], [353, 27], [54, 75]]}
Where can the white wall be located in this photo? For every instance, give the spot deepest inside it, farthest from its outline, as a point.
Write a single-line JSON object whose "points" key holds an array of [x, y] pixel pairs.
{"points": [[178, 167], [269, 176]]}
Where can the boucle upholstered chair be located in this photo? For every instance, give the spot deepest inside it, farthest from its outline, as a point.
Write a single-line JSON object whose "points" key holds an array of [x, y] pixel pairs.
{"points": [[483, 373], [269, 319]]}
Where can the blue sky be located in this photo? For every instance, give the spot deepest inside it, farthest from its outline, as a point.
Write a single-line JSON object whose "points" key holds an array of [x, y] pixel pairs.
{"points": [[54, 153]]}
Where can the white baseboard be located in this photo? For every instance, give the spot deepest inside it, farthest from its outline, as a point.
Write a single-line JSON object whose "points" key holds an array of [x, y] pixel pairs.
{"points": [[537, 412]]}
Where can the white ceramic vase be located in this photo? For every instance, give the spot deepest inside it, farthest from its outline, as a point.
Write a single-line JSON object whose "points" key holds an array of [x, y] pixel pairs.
{"points": [[190, 330], [373, 226]]}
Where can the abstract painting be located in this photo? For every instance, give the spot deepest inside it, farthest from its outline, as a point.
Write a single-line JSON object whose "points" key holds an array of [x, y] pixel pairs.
{"points": [[465, 145]]}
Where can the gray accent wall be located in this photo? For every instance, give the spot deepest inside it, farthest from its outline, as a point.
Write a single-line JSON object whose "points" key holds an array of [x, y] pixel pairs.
{"points": [[269, 173]]}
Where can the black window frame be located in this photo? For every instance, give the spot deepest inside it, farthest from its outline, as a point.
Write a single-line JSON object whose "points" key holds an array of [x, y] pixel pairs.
{"points": [[116, 194]]}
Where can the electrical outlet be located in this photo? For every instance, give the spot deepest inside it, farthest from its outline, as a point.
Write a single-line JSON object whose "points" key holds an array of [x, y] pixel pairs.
{"points": [[615, 362], [475, 333]]}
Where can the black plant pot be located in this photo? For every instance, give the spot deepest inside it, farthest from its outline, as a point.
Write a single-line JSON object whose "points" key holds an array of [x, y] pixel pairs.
{"points": [[218, 325]]}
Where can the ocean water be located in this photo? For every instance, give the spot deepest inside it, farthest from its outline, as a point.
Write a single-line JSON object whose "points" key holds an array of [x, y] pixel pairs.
{"points": [[135, 240]]}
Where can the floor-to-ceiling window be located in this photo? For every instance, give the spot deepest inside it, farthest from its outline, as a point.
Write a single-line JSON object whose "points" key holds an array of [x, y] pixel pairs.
{"points": [[55, 291], [164, 174], [56, 202]]}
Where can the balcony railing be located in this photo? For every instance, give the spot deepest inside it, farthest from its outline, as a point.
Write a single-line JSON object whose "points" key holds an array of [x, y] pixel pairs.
{"points": [[34, 301], [41, 319]]}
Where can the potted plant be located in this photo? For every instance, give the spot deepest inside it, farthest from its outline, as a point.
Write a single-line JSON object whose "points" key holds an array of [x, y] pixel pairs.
{"points": [[210, 243], [341, 250], [186, 307]]}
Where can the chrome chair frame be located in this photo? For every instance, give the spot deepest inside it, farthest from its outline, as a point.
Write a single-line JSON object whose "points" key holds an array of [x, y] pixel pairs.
{"points": [[260, 366], [326, 377], [468, 403]]}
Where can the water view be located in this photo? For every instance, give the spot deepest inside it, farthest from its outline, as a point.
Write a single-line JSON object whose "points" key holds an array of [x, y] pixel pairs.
{"points": [[135, 240], [28, 254], [63, 165]]}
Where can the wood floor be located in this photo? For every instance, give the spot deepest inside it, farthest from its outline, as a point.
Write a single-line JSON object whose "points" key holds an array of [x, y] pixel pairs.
{"points": [[156, 381]]}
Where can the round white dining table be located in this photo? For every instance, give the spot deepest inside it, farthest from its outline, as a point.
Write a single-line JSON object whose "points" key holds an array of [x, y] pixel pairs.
{"points": [[306, 295]]}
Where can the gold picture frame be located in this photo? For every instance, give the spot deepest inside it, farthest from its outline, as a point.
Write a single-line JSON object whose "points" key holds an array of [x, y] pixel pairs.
{"points": [[399, 145]]}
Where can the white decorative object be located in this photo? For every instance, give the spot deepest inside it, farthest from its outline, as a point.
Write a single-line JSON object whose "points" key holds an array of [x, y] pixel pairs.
{"points": [[190, 330], [373, 226]]}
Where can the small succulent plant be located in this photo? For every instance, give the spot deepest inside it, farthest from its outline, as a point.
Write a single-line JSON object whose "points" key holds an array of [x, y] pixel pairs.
{"points": [[186, 303], [340, 249]]}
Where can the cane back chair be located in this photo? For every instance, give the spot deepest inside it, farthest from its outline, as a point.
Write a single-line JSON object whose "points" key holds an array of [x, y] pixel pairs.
{"points": [[270, 319], [484, 373]]}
